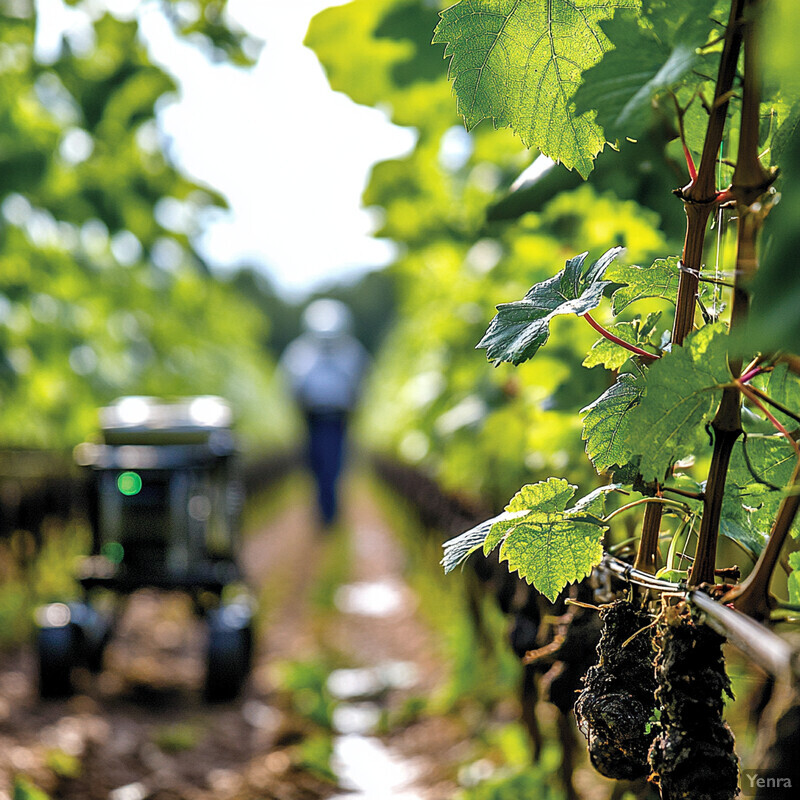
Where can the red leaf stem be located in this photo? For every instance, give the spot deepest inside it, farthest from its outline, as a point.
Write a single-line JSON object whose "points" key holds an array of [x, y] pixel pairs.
{"points": [[690, 162], [621, 342], [753, 398], [750, 374]]}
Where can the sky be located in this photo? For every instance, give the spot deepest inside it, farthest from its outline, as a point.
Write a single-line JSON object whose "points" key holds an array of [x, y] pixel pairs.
{"points": [[291, 156]]}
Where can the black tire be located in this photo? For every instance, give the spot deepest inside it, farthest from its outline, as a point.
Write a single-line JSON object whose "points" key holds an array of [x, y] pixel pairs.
{"points": [[56, 650], [92, 632], [247, 638], [227, 662], [95, 649]]}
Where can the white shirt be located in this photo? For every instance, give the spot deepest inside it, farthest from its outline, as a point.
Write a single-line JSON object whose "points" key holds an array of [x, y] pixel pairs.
{"points": [[325, 372]]}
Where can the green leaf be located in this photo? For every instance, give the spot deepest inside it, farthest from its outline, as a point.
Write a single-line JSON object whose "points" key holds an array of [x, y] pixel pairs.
{"points": [[774, 323], [592, 507], [605, 426], [759, 469], [674, 575], [660, 279], [458, 549], [609, 354], [759, 463], [737, 523], [548, 544], [787, 131], [379, 52], [627, 474], [25, 790], [552, 493], [681, 394], [794, 578], [612, 355], [695, 118], [519, 62], [621, 86], [657, 52], [782, 386], [689, 22], [522, 327]]}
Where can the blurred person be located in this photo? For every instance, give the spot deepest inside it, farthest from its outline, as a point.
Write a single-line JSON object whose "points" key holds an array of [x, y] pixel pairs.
{"points": [[325, 366]]}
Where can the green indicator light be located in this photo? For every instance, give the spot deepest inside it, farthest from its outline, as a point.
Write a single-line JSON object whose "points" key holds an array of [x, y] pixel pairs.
{"points": [[129, 483], [114, 552]]}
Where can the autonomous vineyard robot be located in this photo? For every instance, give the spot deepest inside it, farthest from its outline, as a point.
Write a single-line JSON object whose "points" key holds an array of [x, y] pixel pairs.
{"points": [[164, 509]]}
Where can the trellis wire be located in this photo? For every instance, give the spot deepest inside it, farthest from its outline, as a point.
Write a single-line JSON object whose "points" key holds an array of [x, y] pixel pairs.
{"points": [[772, 653], [716, 300]]}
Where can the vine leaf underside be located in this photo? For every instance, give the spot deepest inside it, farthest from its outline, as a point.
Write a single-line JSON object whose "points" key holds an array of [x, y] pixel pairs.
{"points": [[605, 426], [522, 327], [547, 543], [760, 470], [648, 59], [519, 62]]}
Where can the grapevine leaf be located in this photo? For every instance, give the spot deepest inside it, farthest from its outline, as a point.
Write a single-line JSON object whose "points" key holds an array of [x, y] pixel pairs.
{"points": [[674, 575], [736, 523], [627, 474], [648, 325], [592, 508], [681, 394], [784, 387], [656, 51], [787, 131], [688, 25], [375, 52], [759, 468], [660, 279], [550, 545], [611, 355], [519, 329], [606, 423], [499, 531], [695, 118], [554, 493], [622, 85], [774, 323], [519, 62], [758, 464], [598, 269], [458, 549], [794, 578], [686, 483], [552, 553], [686, 21]]}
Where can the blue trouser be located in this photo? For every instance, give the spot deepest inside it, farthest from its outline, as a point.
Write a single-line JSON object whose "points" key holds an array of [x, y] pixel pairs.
{"points": [[325, 455]]}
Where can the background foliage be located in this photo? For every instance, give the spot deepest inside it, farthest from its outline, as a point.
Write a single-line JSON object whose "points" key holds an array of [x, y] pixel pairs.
{"points": [[102, 293], [433, 399], [475, 234]]}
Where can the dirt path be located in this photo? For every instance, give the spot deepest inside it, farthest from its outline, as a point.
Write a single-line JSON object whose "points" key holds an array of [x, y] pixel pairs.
{"points": [[378, 630], [141, 732]]}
